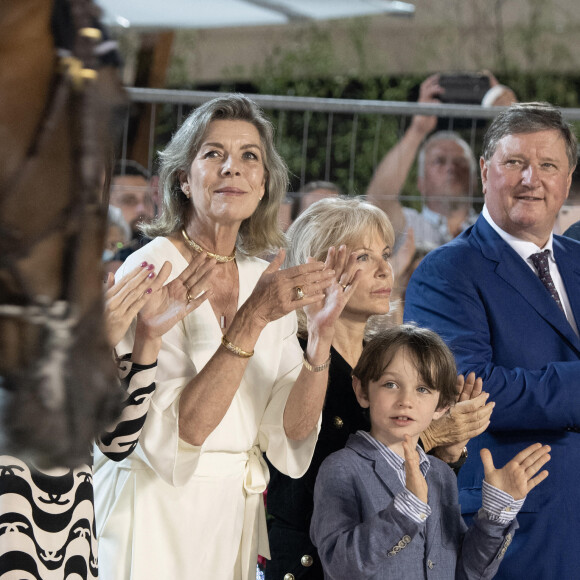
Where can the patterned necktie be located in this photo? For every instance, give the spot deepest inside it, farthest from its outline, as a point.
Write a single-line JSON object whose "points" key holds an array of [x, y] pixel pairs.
{"points": [[540, 261]]}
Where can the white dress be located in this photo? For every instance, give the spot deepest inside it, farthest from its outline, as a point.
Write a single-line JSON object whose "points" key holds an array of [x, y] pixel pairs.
{"points": [[176, 511]]}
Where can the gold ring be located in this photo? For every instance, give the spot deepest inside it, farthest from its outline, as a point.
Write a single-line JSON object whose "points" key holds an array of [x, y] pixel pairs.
{"points": [[188, 296], [344, 286], [299, 293]]}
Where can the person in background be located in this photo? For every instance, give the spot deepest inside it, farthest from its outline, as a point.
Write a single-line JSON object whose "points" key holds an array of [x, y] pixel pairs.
{"points": [[117, 237], [311, 192], [364, 237], [498, 95], [131, 192], [446, 179], [505, 296], [569, 213]]}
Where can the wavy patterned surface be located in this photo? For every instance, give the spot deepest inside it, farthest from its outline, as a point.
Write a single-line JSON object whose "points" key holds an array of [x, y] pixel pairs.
{"points": [[47, 522]]}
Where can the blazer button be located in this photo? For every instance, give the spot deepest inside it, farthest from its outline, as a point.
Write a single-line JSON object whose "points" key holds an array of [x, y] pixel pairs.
{"points": [[306, 560], [288, 576], [429, 564], [338, 422]]}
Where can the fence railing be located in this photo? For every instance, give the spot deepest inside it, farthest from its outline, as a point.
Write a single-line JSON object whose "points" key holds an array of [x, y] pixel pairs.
{"points": [[315, 104], [338, 140]]}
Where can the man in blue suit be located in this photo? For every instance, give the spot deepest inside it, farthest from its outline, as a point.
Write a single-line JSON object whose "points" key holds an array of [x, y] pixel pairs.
{"points": [[513, 318]]}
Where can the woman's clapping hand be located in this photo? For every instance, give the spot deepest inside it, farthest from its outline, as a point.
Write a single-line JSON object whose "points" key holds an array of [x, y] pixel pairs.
{"points": [[171, 303], [279, 292], [125, 298], [323, 314], [142, 292]]}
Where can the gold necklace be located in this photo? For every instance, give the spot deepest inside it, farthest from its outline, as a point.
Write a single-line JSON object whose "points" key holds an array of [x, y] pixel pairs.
{"points": [[217, 257]]}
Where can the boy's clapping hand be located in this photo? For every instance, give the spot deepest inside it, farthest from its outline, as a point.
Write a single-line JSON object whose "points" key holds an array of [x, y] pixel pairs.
{"points": [[518, 476], [415, 482]]}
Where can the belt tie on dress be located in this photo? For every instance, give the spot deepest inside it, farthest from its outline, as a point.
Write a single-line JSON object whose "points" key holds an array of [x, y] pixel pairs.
{"points": [[255, 532]]}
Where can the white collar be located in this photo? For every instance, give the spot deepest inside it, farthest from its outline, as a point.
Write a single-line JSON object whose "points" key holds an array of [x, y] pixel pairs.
{"points": [[523, 248]]}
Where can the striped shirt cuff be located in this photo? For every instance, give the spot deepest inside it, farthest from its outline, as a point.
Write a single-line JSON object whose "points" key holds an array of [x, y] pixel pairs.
{"points": [[411, 506], [500, 506]]}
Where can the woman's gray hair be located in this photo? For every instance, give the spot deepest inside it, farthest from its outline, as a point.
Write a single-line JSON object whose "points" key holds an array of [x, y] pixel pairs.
{"points": [[334, 221], [530, 118], [258, 233]]}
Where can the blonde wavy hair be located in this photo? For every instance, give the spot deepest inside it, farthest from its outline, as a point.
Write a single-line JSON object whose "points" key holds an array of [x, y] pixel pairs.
{"points": [[330, 222]]}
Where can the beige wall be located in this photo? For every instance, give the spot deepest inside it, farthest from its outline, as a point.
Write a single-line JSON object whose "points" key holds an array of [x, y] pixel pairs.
{"points": [[444, 35]]}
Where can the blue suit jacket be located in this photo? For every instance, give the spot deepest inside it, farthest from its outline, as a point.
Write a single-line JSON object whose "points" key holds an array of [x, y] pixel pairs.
{"points": [[359, 533], [500, 321]]}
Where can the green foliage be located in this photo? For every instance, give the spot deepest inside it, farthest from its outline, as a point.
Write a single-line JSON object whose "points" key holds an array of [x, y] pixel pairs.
{"points": [[343, 149], [320, 146]]}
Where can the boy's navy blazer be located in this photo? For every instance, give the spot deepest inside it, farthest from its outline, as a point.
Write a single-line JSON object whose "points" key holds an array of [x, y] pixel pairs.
{"points": [[500, 322], [360, 534]]}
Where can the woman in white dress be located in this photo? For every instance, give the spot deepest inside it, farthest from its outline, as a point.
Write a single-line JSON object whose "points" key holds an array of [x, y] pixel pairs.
{"points": [[232, 380]]}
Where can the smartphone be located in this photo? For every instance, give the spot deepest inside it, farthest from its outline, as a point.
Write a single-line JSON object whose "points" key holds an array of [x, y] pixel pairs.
{"points": [[463, 88]]}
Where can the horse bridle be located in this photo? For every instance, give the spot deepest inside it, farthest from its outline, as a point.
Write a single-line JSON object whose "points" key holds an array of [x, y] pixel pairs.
{"points": [[73, 81]]}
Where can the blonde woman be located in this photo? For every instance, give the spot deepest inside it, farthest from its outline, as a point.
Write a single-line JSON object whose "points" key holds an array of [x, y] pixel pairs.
{"points": [[364, 232]]}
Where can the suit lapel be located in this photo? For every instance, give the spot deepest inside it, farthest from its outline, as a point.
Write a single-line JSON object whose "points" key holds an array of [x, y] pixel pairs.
{"points": [[382, 469], [515, 272], [432, 533], [568, 259], [392, 482], [387, 475]]}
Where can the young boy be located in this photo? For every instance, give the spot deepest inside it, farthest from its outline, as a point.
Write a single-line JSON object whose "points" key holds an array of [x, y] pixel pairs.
{"points": [[382, 508]]}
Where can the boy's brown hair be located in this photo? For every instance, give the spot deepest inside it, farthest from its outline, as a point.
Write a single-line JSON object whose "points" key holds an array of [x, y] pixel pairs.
{"points": [[432, 357]]}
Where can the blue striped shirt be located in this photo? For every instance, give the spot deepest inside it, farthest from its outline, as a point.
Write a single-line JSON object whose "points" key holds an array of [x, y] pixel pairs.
{"points": [[499, 506]]}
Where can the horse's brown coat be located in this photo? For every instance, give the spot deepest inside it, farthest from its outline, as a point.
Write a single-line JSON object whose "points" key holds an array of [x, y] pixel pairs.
{"points": [[57, 380]]}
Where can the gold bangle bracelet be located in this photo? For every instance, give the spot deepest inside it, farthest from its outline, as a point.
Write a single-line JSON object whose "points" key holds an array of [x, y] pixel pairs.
{"points": [[316, 368], [235, 349]]}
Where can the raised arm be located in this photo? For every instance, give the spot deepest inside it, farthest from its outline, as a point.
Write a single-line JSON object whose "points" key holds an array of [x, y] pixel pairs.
{"points": [[306, 399], [393, 170], [206, 398], [159, 308]]}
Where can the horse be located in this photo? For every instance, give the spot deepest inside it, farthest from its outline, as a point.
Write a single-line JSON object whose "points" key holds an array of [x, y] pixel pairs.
{"points": [[58, 385]]}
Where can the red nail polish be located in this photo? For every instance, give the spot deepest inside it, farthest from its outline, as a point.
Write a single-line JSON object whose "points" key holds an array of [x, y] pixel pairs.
{"points": [[151, 267], [143, 264], [149, 290], [151, 275]]}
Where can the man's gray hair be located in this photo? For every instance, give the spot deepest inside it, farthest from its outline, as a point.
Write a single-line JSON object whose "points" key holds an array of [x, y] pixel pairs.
{"points": [[530, 118]]}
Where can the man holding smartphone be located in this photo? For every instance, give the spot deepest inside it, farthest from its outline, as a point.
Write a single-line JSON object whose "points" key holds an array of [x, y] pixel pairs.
{"points": [[446, 179]]}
